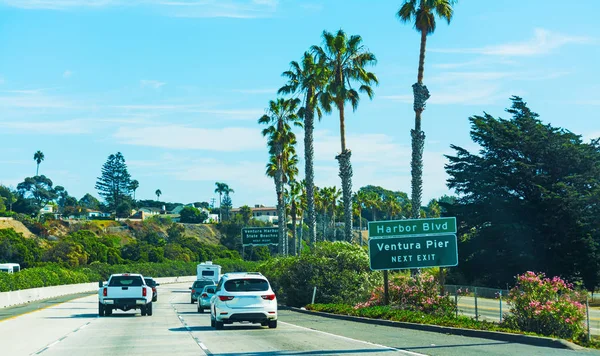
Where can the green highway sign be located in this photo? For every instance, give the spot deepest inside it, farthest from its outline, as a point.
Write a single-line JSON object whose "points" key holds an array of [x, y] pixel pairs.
{"points": [[412, 227], [260, 236], [413, 252]]}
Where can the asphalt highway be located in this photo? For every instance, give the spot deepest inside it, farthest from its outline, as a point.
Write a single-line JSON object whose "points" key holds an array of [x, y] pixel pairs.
{"points": [[176, 328]]}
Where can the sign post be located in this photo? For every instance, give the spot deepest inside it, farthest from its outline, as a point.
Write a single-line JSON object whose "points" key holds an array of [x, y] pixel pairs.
{"points": [[413, 243], [260, 236]]}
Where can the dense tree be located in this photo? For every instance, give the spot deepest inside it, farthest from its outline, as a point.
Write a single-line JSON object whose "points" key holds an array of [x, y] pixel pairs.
{"points": [[527, 201], [192, 215], [308, 79], [38, 157], [226, 207], [14, 248], [222, 188], [88, 201], [8, 197], [123, 210], [133, 186], [114, 183], [422, 13], [246, 213], [346, 60], [39, 189]]}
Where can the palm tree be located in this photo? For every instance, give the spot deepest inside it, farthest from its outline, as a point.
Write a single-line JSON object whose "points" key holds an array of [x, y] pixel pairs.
{"points": [[307, 79], [158, 194], [326, 196], [38, 157], [221, 188], [345, 58], [280, 115], [335, 196], [134, 185], [423, 13], [361, 199], [373, 201], [295, 210]]}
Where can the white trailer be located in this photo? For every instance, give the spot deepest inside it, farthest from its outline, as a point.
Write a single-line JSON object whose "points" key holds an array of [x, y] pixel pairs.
{"points": [[208, 270]]}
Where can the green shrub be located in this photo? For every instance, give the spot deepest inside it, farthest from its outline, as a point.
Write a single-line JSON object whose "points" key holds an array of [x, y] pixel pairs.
{"points": [[419, 293], [339, 270], [545, 306]]}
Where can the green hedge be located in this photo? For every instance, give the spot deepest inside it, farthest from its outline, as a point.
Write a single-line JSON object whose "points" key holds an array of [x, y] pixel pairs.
{"points": [[53, 274]]}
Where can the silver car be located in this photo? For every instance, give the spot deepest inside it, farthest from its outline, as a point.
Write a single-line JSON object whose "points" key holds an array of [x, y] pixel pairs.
{"points": [[204, 298]]}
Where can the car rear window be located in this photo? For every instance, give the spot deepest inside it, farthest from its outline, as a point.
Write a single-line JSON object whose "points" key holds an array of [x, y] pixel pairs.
{"points": [[150, 282], [247, 285], [199, 284], [125, 281]]}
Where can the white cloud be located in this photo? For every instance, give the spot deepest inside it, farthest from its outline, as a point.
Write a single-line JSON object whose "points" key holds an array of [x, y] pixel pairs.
{"points": [[154, 84], [229, 139], [66, 127], [67, 74], [466, 94], [543, 42], [256, 91], [377, 160], [177, 8], [34, 99]]}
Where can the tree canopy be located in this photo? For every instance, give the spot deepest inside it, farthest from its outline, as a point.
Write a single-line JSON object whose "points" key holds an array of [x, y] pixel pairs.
{"points": [[528, 201], [115, 182]]}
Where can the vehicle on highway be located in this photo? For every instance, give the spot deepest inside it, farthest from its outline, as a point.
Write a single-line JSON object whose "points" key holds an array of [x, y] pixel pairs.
{"points": [[197, 289], [124, 292], [150, 282], [205, 296], [243, 297], [10, 267], [208, 270]]}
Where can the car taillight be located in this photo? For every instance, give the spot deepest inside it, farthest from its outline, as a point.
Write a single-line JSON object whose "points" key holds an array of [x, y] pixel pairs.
{"points": [[204, 295], [225, 297], [104, 292], [193, 291], [268, 297], [144, 291]]}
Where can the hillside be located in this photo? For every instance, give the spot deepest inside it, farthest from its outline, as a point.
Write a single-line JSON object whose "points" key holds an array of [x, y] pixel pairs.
{"points": [[17, 226], [206, 233]]}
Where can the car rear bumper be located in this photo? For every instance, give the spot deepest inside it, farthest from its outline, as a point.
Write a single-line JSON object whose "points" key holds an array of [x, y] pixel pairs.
{"points": [[125, 303], [251, 316]]}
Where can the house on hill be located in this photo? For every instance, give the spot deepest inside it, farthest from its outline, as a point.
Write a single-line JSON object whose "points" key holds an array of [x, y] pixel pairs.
{"points": [[262, 213]]}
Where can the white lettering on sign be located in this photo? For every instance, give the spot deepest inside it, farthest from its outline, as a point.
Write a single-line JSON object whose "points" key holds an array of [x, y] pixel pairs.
{"points": [[436, 244], [398, 246], [431, 226], [429, 257], [405, 258], [396, 228]]}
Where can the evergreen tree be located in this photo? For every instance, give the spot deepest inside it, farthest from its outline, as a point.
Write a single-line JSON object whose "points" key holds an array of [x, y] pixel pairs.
{"points": [[527, 201], [115, 182], [227, 205]]}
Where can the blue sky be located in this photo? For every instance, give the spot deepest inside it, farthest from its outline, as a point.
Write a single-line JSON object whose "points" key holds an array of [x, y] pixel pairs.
{"points": [[178, 85]]}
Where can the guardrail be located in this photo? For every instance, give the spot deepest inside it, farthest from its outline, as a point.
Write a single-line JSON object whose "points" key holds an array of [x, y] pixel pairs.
{"points": [[25, 296]]}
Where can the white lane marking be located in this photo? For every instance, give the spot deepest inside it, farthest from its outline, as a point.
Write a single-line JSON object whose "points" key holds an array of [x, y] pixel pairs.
{"points": [[203, 346], [355, 340], [52, 344]]}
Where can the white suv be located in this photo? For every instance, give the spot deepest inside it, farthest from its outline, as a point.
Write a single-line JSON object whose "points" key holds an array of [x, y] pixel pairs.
{"points": [[243, 296]]}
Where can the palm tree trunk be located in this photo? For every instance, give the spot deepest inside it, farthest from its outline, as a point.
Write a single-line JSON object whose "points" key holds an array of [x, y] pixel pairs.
{"points": [[294, 232], [333, 222], [220, 210], [421, 94], [309, 170], [37, 170], [301, 234], [360, 239], [280, 204], [346, 176]]}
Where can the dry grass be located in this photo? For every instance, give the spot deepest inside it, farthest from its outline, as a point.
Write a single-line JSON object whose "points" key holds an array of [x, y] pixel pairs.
{"points": [[17, 226]]}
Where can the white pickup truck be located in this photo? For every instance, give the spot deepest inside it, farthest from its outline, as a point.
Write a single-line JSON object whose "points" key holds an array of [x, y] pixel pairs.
{"points": [[124, 291]]}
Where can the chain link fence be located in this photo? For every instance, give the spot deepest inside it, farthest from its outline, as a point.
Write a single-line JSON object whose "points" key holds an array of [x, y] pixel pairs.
{"points": [[490, 304]]}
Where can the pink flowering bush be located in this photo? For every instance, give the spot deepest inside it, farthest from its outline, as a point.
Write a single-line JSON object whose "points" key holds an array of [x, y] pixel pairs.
{"points": [[420, 293], [545, 306]]}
